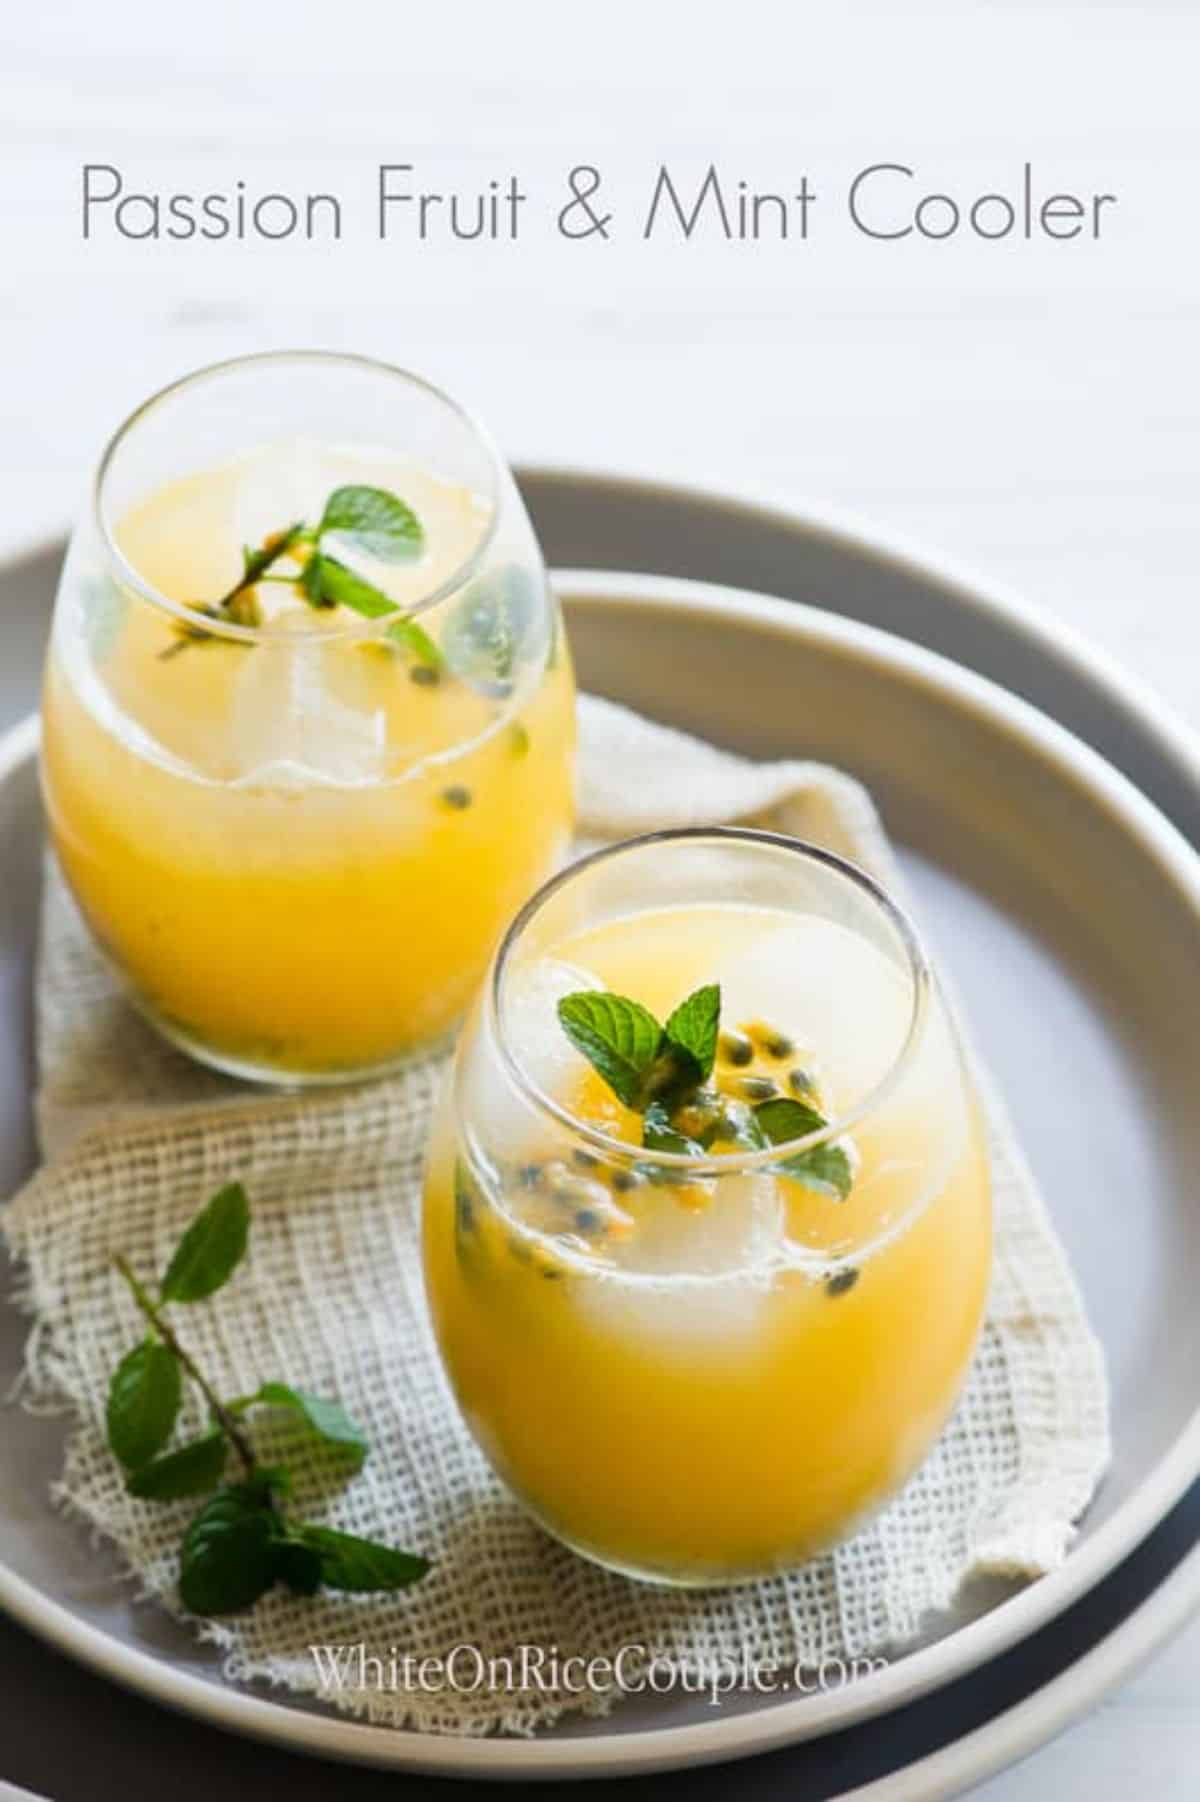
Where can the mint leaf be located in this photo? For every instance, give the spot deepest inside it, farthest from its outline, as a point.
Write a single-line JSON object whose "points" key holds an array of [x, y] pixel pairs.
{"points": [[143, 1400], [299, 1566], [192, 1470], [825, 1168], [211, 1249], [311, 582], [229, 1552], [782, 1119], [414, 639], [693, 1028], [659, 1135], [361, 1564], [326, 1420], [620, 1038], [340, 587], [374, 521]]}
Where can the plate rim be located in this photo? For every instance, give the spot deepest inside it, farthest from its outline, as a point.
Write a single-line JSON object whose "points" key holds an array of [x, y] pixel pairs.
{"points": [[784, 1722], [848, 531]]}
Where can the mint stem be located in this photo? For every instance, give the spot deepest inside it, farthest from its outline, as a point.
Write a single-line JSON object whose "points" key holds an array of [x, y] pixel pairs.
{"points": [[256, 568], [224, 1418]]}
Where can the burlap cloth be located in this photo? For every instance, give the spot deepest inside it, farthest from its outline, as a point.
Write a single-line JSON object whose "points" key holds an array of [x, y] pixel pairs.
{"points": [[135, 1138]]}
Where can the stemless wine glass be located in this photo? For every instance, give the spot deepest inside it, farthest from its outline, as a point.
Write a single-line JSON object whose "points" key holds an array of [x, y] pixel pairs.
{"points": [[703, 1352], [297, 811]]}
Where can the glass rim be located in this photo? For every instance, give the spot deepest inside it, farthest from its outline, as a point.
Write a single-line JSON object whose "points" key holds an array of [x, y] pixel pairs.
{"points": [[131, 578], [731, 1163]]}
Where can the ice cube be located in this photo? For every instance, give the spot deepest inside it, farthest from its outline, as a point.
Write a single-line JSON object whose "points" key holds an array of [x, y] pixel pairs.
{"points": [[292, 709], [843, 1002], [532, 1026], [694, 1273], [507, 1122], [731, 1223], [277, 484]]}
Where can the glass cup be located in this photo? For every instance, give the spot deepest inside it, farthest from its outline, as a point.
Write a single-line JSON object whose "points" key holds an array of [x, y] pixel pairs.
{"points": [[297, 814], [701, 1365]]}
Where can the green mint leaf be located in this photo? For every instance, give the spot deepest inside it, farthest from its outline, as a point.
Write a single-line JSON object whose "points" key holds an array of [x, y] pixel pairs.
{"points": [[299, 1566], [143, 1401], [326, 1420], [211, 1249], [229, 1554], [361, 1564], [194, 1469], [825, 1168], [374, 521], [620, 1038], [693, 1028], [312, 582], [340, 587], [272, 1480], [490, 626], [659, 1135], [414, 639], [783, 1119]]}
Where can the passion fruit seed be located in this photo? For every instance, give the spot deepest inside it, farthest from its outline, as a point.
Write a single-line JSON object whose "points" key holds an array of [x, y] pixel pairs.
{"points": [[572, 1189], [587, 1160], [776, 1045], [736, 1049], [464, 1200], [699, 1115], [623, 1181], [841, 1281], [424, 675], [587, 1219], [759, 1088], [530, 1176], [801, 1082], [456, 796]]}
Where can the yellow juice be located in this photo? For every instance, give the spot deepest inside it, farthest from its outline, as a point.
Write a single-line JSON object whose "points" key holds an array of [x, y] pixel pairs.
{"points": [[299, 855], [728, 1375]]}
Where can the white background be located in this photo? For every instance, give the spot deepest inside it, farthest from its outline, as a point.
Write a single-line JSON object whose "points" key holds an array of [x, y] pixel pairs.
{"points": [[1031, 408]]}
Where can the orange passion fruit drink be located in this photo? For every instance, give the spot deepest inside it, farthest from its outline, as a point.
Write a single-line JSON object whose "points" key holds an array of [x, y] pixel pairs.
{"points": [[707, 1222], [308, 714]]}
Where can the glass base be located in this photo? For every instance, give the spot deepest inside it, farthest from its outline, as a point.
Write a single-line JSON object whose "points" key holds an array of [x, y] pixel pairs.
{"points": [[276, 1076], [662, 1579]]}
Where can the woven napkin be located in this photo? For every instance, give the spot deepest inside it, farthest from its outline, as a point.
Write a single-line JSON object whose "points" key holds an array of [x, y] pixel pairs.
{"points": [[135, 1137]]}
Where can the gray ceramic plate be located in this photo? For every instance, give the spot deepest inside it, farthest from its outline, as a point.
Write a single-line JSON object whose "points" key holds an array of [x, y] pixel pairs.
{"points": [[1069, 911]]}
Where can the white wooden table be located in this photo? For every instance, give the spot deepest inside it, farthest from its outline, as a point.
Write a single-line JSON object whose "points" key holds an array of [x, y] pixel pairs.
{"points": [[1032, 408]]}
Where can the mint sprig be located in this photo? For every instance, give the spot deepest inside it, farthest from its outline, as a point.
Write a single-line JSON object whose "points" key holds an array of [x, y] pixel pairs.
{"points": [[663, 1073], [242, 1541], [358, 517]]}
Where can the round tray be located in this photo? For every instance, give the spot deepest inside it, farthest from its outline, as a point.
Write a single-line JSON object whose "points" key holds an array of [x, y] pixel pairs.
{"points": [[1037, 865]]}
